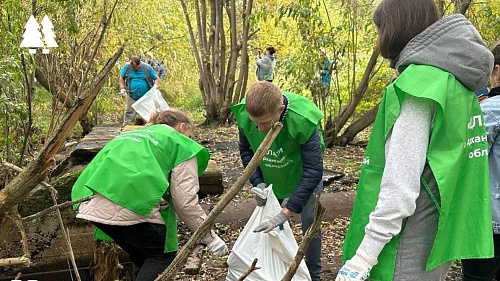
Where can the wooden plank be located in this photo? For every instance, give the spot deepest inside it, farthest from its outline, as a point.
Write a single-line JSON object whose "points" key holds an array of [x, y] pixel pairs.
{"points": [[92, 143], [193, 263]]}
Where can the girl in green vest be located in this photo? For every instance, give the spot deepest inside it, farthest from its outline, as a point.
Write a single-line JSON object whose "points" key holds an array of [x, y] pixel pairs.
{"points": [[140, 181], [423, 195]]}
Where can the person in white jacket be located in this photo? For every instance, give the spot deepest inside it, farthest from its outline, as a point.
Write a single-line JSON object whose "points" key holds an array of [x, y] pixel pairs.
{"points": [[266, 65]]}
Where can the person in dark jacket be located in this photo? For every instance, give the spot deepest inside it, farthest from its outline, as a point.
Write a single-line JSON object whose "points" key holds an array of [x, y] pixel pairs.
{"points": [[294, 162]]}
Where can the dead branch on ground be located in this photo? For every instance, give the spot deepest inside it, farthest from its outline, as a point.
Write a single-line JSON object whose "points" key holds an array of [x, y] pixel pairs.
{"points": [[308, 236], [251, 269], [56, 207], [53, 193], [15, 261]]}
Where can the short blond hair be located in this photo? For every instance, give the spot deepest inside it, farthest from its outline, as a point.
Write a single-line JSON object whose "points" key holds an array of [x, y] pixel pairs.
{"points": [[263, 98], [171, 117]]}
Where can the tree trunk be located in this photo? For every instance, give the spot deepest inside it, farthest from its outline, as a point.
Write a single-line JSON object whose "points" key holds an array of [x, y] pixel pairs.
{"points": [[218, 61], [357, 126], [333, 129], [463, 6], [106, 263]]}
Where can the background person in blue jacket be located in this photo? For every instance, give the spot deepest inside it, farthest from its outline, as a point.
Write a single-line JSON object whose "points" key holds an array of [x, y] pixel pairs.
{"points": [[294, 162], [136, 79], [487, 269], [324, 68]]}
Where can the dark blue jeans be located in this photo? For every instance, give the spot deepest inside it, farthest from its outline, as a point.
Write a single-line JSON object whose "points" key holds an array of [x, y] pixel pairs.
{"points": [[145, 243], [483, 269]]}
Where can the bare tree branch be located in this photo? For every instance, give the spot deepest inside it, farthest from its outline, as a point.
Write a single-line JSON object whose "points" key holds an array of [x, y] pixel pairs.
{"points": [[308, 236], [251, 269]]}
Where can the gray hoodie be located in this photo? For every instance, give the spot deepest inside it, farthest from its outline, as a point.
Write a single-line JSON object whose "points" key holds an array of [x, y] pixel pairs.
{"points": [[454, 45]]}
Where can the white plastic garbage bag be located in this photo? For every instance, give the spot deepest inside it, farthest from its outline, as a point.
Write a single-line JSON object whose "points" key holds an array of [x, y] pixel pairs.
{"points": [[151, 101], [274, 250]]}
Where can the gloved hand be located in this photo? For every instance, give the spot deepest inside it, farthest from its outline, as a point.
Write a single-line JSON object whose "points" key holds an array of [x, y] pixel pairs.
{"points": [[217, 247], [123, 92], [356, 269], [260, 197], [272, 223], [163, 204]]}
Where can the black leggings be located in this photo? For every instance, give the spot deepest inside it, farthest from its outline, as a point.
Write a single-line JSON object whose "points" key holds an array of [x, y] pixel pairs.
{"points": [[145, 243], [483, 269]]}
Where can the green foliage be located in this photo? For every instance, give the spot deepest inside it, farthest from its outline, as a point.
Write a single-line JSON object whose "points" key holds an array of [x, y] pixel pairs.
{"points": [[344, 30], [485, 16], [298, 28]]}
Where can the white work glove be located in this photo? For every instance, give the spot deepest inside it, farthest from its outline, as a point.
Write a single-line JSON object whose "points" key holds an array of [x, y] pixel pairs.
{"points": [[123, 92], [272, 223], [260, 197], [217, 247], [356, 269], [163, 204]]}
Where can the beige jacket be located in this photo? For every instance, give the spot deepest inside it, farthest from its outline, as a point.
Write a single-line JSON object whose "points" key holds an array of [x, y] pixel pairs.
{"points": [[184, 187]]}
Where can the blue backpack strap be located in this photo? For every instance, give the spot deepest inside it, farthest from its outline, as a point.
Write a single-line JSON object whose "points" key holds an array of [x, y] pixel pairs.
{"points": [[147, 74], [127, 77]]}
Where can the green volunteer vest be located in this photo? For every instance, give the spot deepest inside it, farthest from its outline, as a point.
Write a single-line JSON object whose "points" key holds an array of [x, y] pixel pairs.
{"points": [[282, 165], [131, 170], [456, 156]]}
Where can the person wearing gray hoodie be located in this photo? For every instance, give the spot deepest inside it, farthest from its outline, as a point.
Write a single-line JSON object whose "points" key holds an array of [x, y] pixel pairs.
{"points": [[423, 194], [266, 65]]}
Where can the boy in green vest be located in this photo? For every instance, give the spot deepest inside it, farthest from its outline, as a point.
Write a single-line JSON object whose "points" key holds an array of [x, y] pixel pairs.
{"points": [[294, 162], [423, 195], [140, 181]]}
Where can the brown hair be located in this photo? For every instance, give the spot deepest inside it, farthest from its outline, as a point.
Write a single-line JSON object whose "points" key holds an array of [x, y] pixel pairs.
{"points": [[171, 117], [263, 98], [272, 50], [398, 21], [496, 52], [135, 61]]}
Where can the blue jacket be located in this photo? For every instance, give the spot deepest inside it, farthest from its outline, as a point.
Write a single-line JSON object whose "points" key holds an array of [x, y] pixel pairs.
{"points": [[491, 111]]}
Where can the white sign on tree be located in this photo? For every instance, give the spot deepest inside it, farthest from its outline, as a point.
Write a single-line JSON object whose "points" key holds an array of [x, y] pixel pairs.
{"points": [[48, 34], [32, 38]]}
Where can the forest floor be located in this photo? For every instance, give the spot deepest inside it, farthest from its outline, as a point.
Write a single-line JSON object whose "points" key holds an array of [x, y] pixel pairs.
{"points": [[222, 142]]}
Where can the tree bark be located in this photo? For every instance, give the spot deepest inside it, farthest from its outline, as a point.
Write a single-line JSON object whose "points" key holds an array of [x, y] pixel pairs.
{"points": [[357, 126], [217, 60], [333, 130]]}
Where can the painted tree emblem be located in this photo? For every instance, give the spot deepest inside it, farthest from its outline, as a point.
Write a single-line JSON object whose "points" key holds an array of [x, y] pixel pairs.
{"points": [[32, 38], [48, 34]]}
